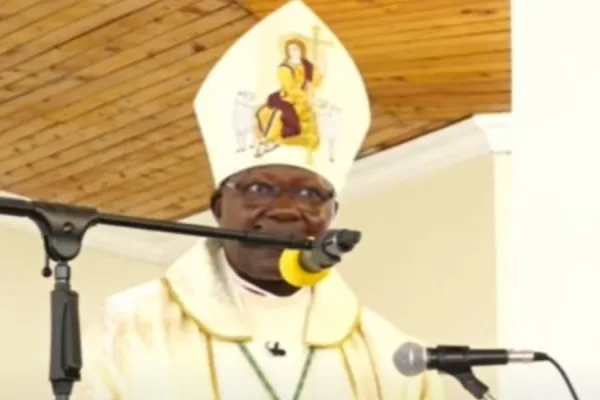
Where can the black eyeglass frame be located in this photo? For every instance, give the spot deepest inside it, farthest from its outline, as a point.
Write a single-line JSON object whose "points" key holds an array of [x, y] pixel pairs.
{"points": [[243, 189]]}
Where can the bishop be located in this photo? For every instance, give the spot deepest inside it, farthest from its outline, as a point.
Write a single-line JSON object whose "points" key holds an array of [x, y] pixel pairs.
{"points": [[223, 323]]}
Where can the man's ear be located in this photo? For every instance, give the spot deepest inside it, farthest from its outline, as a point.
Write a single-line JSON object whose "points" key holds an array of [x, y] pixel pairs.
{"points": [[336, 207], [215, 204]]}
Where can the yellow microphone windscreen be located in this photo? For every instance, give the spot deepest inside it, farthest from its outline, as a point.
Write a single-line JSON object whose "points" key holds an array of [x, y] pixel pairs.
{"points": [[292, 272]]}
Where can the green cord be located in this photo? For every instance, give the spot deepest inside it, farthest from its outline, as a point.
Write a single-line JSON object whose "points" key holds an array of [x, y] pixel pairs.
{"points": [[265, 382]]}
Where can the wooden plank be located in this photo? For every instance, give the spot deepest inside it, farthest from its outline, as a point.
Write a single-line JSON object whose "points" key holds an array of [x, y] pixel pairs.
{"points": [[183, 210], [490, 61], [360, 35], [13, 7], [383, 121], [400, 35], [69, 31], [184, 34], [28, 17], [30, 136], [131, 78], [273, 4], [440, 99], [15, 45], [425, 130], [465, 100], [126, 64], [393, 87], [340, 20], [95, 45], [476, 76], [344, 13], [127, 168], [441, 47], [102, 151], [190, 202], [146, 185], [112, 180], [142, 88], [353, 9], [466, 6], [430, 73], [381, 118], [175, 22], [129, 124], [443, 113], [489, 56], [173, 192]]}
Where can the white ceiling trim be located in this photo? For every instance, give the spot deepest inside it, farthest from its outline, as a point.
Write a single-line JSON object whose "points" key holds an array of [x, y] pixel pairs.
{"points": [[476, 136]]}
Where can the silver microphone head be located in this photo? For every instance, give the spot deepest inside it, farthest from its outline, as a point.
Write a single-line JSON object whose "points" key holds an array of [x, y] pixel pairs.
{"points": [[411, 359]]}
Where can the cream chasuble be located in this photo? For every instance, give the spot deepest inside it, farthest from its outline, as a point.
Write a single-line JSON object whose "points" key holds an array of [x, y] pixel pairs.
{"points": [[178, 338]]}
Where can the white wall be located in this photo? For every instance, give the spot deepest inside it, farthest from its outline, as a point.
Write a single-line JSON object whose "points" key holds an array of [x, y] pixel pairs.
{"points": [[427, 262], [25, 306]]}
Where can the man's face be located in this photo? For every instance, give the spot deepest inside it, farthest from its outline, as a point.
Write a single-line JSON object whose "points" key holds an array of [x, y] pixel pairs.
{"points": [[284, 201]]}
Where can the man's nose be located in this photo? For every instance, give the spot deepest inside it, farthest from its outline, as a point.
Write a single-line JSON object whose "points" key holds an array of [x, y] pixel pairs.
{"points": [[283, 209]]}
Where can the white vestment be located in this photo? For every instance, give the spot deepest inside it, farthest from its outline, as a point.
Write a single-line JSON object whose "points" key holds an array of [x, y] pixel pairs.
{"points": [[178, 338]]}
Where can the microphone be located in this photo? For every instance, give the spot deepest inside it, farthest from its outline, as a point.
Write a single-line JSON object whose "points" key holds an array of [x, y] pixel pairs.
{"points": [[274, 349], [308, 267], [412, 359]]}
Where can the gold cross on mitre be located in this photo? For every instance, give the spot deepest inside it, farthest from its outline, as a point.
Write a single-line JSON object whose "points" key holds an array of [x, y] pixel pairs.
{"points": [[313, 42], [316, 42]]}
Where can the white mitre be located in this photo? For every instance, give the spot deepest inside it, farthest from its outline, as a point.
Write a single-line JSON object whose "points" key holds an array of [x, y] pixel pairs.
{"points": [[258, 107]]}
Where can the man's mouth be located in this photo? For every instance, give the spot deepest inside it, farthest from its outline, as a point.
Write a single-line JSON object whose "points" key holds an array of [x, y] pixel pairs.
{"points": [[285, 234]]}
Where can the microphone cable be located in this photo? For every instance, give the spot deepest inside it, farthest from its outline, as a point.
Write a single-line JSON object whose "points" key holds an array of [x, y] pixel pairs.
{"points": [[562, 372]]}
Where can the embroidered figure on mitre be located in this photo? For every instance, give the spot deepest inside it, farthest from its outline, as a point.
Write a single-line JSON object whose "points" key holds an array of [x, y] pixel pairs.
{"points": [[292, 115]]}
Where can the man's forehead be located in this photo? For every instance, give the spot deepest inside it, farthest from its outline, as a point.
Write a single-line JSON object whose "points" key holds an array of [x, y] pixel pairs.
{"points": [[284, 173]]}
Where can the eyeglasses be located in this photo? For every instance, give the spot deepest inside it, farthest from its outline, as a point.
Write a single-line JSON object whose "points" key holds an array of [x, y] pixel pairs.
{"points": [[262, 193]]}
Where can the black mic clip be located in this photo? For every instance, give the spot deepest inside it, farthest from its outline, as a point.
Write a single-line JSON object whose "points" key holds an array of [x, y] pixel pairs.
{"points": [[461, 370], [63, 229], [274, 349], [329, 248]]}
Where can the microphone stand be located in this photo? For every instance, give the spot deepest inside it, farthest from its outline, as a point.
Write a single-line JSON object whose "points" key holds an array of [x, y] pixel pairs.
{"points": [[63, 229], [472, 384], [463, 372]]}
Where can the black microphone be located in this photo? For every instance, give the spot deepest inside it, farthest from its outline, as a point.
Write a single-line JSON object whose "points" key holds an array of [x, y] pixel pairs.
{"points": [[412, 359], [274, 349], [328, 249], [307, 267]]}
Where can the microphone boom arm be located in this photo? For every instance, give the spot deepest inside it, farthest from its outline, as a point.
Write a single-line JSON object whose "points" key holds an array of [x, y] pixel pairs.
{"points": [[63, 229]]}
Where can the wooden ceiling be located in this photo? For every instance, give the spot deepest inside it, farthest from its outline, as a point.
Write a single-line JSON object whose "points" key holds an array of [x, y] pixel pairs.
{"points": [[96, 95]]}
